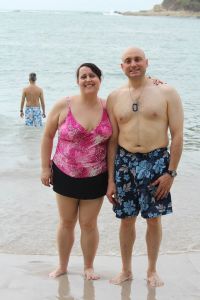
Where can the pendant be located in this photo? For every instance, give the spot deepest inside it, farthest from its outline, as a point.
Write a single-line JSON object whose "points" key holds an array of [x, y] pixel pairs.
{"points": [[135, 107]]}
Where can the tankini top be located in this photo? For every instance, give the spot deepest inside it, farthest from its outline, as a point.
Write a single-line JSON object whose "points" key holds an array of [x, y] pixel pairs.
{"points": [[81, 153]]}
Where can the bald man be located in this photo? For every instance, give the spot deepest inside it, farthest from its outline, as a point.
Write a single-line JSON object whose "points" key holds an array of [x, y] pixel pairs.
{"points": [[141, 169]]}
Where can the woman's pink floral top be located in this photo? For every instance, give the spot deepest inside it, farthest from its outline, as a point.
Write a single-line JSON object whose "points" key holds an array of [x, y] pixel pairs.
{"points": [[81, 153]]}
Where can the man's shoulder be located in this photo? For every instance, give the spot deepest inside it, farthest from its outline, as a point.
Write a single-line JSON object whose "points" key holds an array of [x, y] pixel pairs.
{"points": [[118, 92], [38, 88], [26, 88], [166, 88], [169, 92]]}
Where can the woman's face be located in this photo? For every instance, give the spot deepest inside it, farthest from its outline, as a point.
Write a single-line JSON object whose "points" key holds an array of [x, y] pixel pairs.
{"points": [[88, 81]]}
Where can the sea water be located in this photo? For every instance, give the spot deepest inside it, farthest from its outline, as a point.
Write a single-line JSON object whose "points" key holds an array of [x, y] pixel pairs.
{"points": [[53, 44]]}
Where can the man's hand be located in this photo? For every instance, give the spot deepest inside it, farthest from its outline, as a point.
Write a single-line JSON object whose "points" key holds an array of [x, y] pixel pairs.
{"points": [[163, 184], [111, 193]]}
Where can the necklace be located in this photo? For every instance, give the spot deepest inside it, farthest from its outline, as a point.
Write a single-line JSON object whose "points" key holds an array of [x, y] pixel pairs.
{"points": [[135, 105]]}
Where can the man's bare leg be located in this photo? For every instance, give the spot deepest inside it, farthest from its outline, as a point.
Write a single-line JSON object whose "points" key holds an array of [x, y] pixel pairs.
{"points": [[127, 238], [68, 208], [153, 240], [88, 213]]}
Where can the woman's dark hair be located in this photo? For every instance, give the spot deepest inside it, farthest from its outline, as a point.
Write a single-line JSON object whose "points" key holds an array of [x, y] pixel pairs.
{"points": [[32, 77], [93, 67]]}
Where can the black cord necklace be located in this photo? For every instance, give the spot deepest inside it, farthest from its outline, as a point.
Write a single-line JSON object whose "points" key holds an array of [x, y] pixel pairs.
{"points": [[135, 105]]}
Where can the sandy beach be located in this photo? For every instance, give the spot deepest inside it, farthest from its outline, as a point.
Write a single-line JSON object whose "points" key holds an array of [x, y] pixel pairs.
{"points": [[28, 237], [29, 213], [25, 277]]}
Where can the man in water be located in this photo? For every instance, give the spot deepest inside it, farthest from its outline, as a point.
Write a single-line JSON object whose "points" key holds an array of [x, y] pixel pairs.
{"points": [[141, 170], [33, 95]]}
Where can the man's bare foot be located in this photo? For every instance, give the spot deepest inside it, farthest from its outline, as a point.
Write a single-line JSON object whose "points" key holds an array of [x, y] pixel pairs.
{"points": [[90, 275], [121, 277], [58, 272], [154, 280]]}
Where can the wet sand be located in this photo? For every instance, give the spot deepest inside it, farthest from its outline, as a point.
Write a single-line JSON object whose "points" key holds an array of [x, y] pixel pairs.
{"points": [[28, 237], [29, 214], [25, 277]]}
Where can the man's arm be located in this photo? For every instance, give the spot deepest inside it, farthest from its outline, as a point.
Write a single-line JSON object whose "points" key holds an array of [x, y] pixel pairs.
{"points": [[175, 121], [22, 103], [175, 116], [42, 103], [112, 148]]}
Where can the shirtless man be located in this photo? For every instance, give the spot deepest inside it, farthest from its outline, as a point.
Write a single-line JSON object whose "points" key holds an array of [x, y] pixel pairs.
{"points": [[141, 170], [33, 95]]}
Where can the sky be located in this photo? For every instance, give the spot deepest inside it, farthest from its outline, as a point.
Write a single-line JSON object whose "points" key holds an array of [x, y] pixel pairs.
{"points": [[82, 5]]}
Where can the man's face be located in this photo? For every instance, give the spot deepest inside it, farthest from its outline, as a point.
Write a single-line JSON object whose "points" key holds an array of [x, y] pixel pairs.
{"points": [[134, 63]]}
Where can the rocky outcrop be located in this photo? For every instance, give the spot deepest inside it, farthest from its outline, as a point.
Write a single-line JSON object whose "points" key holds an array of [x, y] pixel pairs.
{"points": [[177, 5]]}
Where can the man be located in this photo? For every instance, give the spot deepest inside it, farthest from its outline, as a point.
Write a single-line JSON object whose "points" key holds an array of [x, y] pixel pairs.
{"points": [[33, 95], [141, 170]]}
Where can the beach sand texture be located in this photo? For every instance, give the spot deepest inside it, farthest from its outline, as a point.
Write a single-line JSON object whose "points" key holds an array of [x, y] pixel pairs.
{"points": [[28, 242], [25, 277]]}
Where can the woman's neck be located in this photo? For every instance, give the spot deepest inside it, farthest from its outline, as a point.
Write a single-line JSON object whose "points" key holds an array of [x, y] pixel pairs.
{"points": [[89, 99]]}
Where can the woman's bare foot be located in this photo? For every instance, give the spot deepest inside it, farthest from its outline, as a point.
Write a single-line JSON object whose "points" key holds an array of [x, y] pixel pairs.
{"points": [[58, 272], [121, 277], [154, 280], [90, 275]]}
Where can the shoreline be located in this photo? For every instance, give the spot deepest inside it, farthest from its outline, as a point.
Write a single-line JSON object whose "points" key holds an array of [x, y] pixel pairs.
{"points": [[161, 13]]}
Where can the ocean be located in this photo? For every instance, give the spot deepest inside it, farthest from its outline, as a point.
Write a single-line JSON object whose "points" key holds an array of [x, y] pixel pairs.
{"points": [[53, 44]]}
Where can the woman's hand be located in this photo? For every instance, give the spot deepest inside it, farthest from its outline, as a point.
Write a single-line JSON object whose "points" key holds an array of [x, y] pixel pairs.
{"points": [[111, 193], [156, 81], [46, 176]]}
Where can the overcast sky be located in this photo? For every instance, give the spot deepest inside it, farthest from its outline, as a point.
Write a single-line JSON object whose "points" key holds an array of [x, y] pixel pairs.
{"points": [[86, 5]]}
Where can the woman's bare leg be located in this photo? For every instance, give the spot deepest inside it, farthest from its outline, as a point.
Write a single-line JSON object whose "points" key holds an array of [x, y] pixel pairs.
{"points": [[88, 213], [68, 211]]}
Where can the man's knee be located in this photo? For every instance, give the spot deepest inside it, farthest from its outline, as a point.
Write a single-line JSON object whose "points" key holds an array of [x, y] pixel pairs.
{"points": [[154, 222], [128, 222]]}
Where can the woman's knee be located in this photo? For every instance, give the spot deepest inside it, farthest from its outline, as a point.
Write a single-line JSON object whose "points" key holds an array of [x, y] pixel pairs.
{"points": [[67, 224], [88, 225]]}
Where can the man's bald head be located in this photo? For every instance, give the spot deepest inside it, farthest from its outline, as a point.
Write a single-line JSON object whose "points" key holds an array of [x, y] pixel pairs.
{"points": [[132, 52]]}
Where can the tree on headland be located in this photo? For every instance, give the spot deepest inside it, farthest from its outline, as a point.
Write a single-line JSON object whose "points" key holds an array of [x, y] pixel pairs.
{"points": [[188, 5]]}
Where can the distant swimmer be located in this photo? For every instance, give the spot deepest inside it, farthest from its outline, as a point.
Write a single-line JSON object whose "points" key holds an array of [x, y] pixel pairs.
{"points": [[34, 98]]}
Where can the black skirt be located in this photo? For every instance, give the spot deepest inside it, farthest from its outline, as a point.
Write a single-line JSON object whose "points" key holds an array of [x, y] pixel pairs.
{"points": [[79, 188]]}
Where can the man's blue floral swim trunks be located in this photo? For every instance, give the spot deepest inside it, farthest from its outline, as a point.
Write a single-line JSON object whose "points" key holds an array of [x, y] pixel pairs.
{"points": [[134, 172], [33, 116]]}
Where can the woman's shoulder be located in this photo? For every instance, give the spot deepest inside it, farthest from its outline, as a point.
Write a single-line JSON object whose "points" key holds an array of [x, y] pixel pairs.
{"points": [[103, 101], [62, 103]]}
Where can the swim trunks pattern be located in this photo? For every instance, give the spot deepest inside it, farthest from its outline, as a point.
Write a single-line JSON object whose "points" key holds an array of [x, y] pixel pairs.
{"points": [[134, 172], [33, 116]]}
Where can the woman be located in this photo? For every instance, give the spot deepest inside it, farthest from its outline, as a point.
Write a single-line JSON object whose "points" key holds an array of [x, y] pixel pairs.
{"points": [[78, 170]]}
